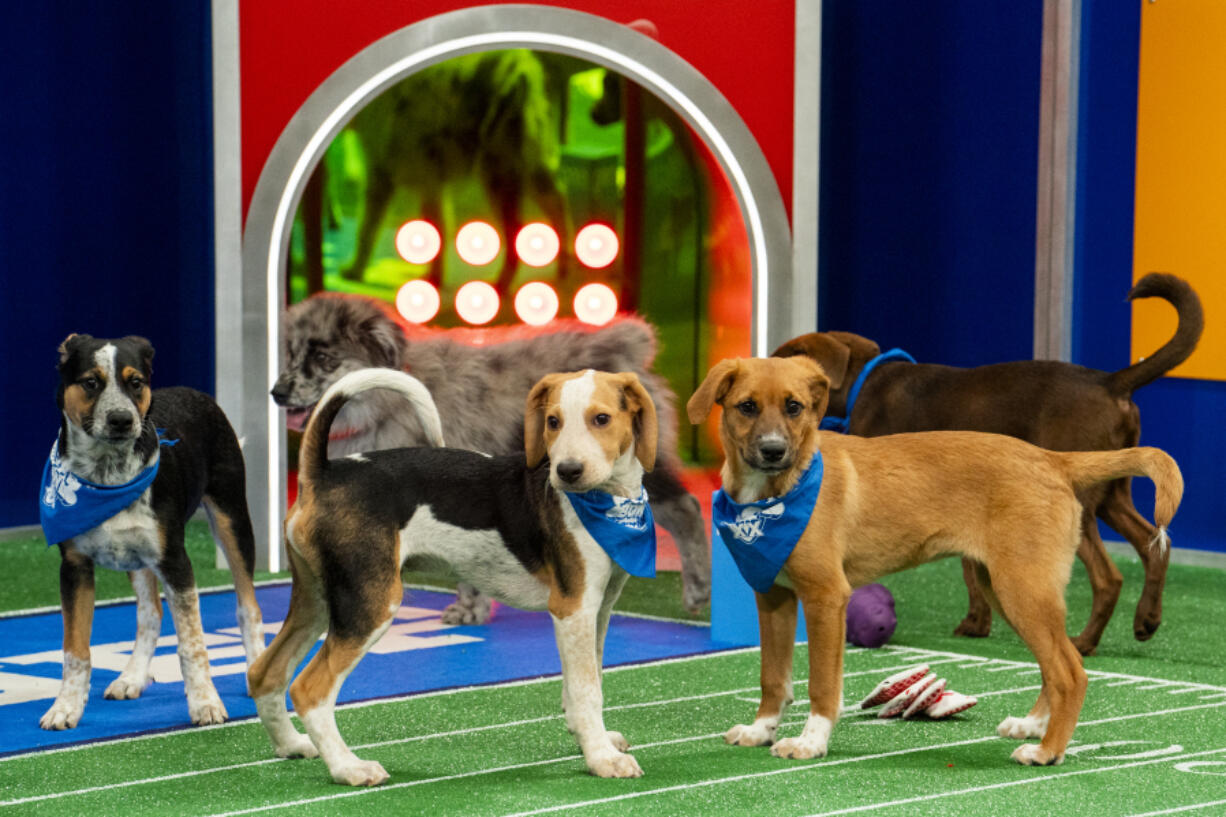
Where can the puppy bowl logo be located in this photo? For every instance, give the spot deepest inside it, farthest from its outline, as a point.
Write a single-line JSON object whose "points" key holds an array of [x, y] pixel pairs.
{"points": [[63, 484], [750, 522], [628, 513]]}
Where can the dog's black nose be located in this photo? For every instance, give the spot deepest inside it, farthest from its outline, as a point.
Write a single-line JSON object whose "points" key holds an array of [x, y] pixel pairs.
{"points": [[280, 393], [772, 450], [569, 470], [118, 422]]}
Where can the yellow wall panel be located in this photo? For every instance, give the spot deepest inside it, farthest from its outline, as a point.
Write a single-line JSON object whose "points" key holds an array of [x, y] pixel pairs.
{"points": [[1181, 172]]}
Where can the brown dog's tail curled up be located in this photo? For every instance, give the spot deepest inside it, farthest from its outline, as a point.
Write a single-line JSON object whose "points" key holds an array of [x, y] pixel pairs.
{"points": [[313, 455], [1175, 291], [1088, 468]]}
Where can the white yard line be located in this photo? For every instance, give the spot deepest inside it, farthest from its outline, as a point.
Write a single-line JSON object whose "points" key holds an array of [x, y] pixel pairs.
{"points": [[1177, 809]]}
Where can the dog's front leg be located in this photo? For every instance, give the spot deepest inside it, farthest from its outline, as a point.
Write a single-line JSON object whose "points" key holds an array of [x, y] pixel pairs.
{"points": [[77, 603], [135, 676], [777, 627], [582, 697], [825, 606]]}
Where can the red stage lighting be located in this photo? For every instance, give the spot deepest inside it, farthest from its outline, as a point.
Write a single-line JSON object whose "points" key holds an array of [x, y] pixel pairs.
{"points": [[596, 245], [536, 303], [537, 244], [477, 243], [476, 302], [417, 301], [418, 242], [595, 304]]}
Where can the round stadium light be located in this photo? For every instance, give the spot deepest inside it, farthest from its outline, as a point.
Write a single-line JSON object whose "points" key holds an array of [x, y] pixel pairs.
{"points": [[477, 243], [418, 241], [596, 245], [476, 302], [417, 301], [537, 244], [536, 303], [595, 304]]}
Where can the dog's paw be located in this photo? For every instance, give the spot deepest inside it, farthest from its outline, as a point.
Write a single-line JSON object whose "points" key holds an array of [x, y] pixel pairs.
{"points": [[1146, 622], [1085, 646], [299, 746], [62, 715], [754, 734], [616, 764], [800, 748], [696, 595], [1033, 754], [207, 710], [126, 687], [974, 627], [360, 773], [467, 611], [1022, 728], [618, 740]]}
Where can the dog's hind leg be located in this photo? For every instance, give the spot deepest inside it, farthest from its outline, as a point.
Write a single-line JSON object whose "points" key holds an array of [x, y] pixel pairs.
{"points": [[135, 676], [1117, 510], [678, 512], [231, 528], [1105, 584], [777, 628], [978, 621], [269, 675], [471, 606]]}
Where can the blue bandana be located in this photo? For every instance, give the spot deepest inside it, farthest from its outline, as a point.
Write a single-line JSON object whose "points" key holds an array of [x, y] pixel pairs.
{"points": [[69, 505], [840, 424], [623, 527], [761, 535]]}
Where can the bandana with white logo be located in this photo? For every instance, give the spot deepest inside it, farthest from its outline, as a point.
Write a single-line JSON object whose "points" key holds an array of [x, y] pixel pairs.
{"points": [[761, 535], [70, 505], [622, 526], [840, 424]]}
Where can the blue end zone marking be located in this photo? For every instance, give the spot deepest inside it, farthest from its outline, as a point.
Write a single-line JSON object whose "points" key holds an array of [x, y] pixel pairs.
{"points": [[418, 654]]}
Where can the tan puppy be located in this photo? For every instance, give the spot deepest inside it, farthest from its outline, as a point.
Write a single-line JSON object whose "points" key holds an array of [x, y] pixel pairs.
{"points": [[893, 502], [510, 525]]}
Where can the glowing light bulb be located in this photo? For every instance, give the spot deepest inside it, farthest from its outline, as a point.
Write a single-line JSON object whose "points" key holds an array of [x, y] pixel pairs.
{"points": [[596, 245], [537, 244], [536, 303], [417, 301], [477, 243], [595, 304], [418, 241], [477, 302]]}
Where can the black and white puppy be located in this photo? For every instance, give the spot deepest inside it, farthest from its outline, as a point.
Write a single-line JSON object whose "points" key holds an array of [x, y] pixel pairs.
{"points": [[479, 382], [516, 526], [108, 452]]}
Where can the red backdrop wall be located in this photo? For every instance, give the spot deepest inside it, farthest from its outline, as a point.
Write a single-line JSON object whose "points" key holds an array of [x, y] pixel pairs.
{"points": [[289, 47]]}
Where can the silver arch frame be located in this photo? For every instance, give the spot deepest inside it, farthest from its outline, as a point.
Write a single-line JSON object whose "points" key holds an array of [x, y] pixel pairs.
{"points": [[777, 293]]}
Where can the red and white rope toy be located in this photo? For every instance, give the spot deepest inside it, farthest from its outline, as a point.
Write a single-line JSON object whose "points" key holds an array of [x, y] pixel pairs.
{"points": [[915, 692]]}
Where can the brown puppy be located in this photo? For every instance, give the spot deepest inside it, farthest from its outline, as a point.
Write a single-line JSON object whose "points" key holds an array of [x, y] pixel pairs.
{"points": [[889, 503], [1048, 403]]}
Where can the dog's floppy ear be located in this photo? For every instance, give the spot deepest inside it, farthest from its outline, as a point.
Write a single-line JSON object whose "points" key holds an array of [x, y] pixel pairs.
{"points": [[383, 339], [534, 419], [69, 344], [145, 349], [832, 354], [712, 391], [646, 426]]}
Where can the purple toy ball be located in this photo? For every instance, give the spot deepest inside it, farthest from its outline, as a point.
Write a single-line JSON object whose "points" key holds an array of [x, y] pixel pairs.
{"points": [[870, 616]]}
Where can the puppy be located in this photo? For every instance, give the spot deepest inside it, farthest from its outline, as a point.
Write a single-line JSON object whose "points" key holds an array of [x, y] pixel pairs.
{"points": [[478, 382], [510, 524], [864, 507], [1051, 404], [116, 495]]}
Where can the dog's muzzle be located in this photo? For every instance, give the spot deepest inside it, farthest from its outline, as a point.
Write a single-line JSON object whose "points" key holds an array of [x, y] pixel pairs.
{"points": [[569, 471]]}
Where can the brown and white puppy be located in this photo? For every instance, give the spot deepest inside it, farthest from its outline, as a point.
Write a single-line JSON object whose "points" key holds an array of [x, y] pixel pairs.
{"points": [[889, 503], [502, 523], [1049, 403], [109, 427]]}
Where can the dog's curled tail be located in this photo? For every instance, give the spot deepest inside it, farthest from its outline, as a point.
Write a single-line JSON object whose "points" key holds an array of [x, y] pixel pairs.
{"points": [[1088, 468], [1191, 324], [313, 455]]}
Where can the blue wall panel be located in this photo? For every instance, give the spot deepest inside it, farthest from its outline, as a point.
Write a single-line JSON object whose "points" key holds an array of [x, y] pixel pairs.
{"points": [[106, 204], [929, 155]]}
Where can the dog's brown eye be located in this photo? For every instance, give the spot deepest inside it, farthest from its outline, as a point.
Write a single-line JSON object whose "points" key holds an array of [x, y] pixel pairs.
{"points": [[135, 384], [323, 361], [600, 420], [794, 408], [553, 422], [747, 407], [89, 384]]}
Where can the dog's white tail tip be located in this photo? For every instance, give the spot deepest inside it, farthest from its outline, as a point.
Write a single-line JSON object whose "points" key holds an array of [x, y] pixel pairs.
{"points": [[1161, 541]]}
